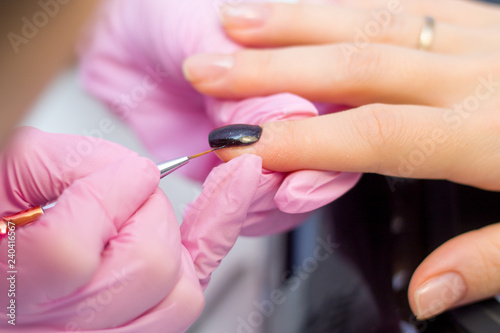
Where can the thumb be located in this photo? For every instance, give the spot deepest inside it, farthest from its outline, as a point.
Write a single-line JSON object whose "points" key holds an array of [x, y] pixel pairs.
{"points": [[213, 222], [463, 270]]}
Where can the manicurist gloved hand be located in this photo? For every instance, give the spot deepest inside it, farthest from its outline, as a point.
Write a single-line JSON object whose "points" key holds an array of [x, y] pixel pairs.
{"points": [[110, 257], [441, 119], [133, 62]]}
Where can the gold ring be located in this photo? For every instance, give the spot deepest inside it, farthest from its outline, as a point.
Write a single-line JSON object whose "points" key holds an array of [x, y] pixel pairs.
{"points": [[426, 34]]}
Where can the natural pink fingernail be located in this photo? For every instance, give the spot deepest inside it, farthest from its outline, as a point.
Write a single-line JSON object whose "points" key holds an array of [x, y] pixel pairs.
{"points": [[244, 15], [203, 67], [439, 294]]}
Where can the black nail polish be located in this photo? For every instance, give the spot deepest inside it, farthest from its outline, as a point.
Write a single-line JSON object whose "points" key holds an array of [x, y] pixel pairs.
{"points": [[234, 136]]}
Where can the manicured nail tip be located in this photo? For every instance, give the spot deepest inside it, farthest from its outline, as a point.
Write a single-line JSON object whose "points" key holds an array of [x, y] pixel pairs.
{"points": [[186, 73], [439, 294], [203, 67], [244, 15], [234, 136]]}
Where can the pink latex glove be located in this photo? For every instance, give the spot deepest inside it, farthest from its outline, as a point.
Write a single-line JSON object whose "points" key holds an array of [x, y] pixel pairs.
{"points": [[133, 62], [110, 257]]}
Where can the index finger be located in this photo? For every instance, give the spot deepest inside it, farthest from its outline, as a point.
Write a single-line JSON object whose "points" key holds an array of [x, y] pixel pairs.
{"points": [[348, 74], [395, 140]]}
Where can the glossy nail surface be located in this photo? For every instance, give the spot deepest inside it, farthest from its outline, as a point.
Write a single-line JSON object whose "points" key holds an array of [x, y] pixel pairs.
{"points": [[439, 294], [234, 136]]}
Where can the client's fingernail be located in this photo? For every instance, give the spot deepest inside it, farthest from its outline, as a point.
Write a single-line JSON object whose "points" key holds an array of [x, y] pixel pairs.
{"points": [[234, 136], [244, 15], [203, 67], [439, 294]]}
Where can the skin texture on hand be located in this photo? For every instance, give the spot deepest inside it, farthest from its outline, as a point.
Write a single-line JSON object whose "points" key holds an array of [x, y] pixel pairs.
{"points": [[110, 256], [134, 64], [418, 114]]}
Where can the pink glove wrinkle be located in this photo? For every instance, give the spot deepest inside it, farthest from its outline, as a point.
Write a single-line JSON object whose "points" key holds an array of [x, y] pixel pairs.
{"points": [[110, 256], [139, 43], [237, 182]]}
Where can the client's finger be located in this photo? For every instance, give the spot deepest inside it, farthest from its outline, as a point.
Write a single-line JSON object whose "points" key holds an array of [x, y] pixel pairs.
{"points": [[342, 73], [402, 141], [463, 270], [288, 24]]}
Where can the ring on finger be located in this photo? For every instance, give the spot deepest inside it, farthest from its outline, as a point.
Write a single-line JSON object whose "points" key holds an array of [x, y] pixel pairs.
{"points": [[426, 34]]}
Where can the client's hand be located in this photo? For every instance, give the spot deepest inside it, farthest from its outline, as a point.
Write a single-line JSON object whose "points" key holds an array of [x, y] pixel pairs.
{"points": [[359, 52]]}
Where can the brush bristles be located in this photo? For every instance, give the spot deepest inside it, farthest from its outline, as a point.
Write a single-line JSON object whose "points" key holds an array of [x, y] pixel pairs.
{"points": [[200, 154]]}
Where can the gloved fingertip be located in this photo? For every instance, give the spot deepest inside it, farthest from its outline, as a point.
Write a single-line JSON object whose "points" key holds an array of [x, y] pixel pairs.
{"points": [[150, 170], [246, 166], [213, 222], [136, 172], [247, 162], [247, 173]]}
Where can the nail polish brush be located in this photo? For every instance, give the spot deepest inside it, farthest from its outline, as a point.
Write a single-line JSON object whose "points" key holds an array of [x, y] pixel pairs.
{"points": [[32, 214]]}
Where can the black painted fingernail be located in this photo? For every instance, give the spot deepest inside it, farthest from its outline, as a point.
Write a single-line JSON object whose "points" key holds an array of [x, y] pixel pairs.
{"points": [[234, 136]]}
